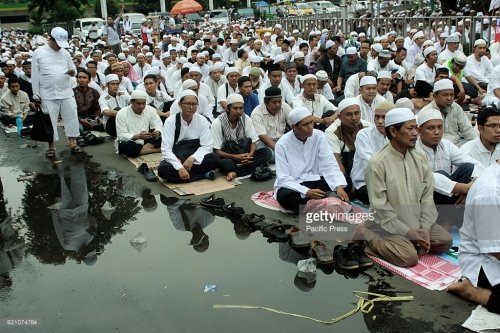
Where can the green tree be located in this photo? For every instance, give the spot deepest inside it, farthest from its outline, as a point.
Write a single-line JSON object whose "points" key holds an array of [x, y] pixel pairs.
{"points": [[44, 7], [113, 8], [64, 13], [146, 7]]}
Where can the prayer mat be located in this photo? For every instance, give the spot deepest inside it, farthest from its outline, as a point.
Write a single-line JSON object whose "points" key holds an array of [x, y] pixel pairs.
{"points": [[432, 272], [266, 200]]}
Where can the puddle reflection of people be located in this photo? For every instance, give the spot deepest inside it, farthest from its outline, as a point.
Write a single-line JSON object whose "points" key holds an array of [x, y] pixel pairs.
{"points": [[72, 223], [127, 186], [186, 216], [304, 281]]}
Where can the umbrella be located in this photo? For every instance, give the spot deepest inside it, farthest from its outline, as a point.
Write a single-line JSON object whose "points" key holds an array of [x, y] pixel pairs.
{"points": [[185, 7], [261, 4]]}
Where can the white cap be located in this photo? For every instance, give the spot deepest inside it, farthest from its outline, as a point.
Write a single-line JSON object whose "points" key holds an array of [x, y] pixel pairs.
{"points": [[112, 77], [255, 59], [278, 26], [347, 102], [60, 36], [279, 58], [121, 56], [398, 115], [195, 69], [329, 43], [377, 47], [385, 54], [429, 114], [233, 41], [298, 114], [429, 50], [216, 56], [384, 75], [367, 80], [350, 50], [189, 83], [187, 92], [230, 70], [428, 43], [139, 94], [309, 77], [322, 75], [444, 84], [165, 55], [234, 98], [131, 60], [417, 35], [295, 31], [405, 103], [182, 60], [299, 55], [480, 42]]}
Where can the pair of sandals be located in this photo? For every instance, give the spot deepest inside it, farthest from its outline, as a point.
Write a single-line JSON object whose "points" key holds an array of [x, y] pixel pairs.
{"points": [[75, 150], [88, 138], [273, 230]]}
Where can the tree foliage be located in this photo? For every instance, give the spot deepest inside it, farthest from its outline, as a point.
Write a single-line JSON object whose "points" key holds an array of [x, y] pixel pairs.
{"points": [[112, 6], [146, 7], [47, 7]]}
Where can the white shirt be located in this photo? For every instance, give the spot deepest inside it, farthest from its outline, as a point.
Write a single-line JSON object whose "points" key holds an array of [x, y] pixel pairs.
{"points": [[229, 56], [480, 232], [425, 73], [412, 52], [218, 136], [295, 89], [141, 71], [367, 110], [128, 123], [126, 85], [318, 106], [444, 158], [368, 142], [374, 65], [48, 73], [480, 70], [199, 128], [298, 162], [222, 94], [285, 92], [267, 124], [108, 102], [207, 93], [351, 88], [446, 55], [477, 151], [335, 143], [203, 108]]}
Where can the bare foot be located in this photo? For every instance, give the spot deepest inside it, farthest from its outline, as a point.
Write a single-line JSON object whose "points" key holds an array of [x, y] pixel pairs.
{"points": [[230, 176], [466, 290]]}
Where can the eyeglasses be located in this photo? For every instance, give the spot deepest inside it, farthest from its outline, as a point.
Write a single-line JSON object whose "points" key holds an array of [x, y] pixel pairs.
{"points": [[492, 126], [190, 105]]}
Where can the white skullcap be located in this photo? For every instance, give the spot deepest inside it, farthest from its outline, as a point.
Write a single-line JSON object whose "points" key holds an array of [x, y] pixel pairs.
{"points": [[153, 70], [194, 69], [385, 54], [299, 55], [112, 77], [295, 31], [256, 59], [362, 34], [187, 92], [429, 114], [480, 42], [443, 35], [384, 75], [347, 102], [231, 70], [139, 94], [121, 56], [149, 54], [405, 103], [350, 50], [429, 50], [2, 74], [131, 60], [216, 56], [417, 35], [278, 26], [182, 60], [398, 115], [11, 62], [189, 83], [377, 47], [187, 65], [233, 41], [329, 43], [322, 75], [444, 84], [309, 77], [298, 114], [234, 98], [428, 43], [367, 80], [279, 58], [165, 55]]}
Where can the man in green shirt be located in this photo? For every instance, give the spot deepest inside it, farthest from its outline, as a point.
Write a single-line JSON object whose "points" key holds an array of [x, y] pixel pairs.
{"points": [[400, 187]]}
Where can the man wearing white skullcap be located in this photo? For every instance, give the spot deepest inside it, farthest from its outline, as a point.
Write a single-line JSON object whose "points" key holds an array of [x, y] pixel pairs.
{"points": [[452, 49], [342, 134], [305, 165], [351, 64], [322, 110], [400, 187], [138, 127], [457, 127], [204, 108], [235, 141], [384, 82], [330, 62], [418, 40], [230, 87], [368, 141], [275, 76], [368, 97], [453, 170], [427, 70], [111, 101], [384, 63], [204, 89], [479, 65], [187, 147]]}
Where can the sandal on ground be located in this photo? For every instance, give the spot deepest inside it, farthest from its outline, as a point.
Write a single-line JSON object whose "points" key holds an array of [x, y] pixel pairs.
{"points": [[321, 252], [276, 232], [76, 150], [51, 153], [81, 141], [233, 209], [91, 139], [298, 237], [213, 202]]}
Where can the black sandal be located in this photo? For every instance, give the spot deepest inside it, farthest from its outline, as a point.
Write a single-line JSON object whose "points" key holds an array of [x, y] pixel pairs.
{"points": [[51, 153], [81, 141], [76, 150]]}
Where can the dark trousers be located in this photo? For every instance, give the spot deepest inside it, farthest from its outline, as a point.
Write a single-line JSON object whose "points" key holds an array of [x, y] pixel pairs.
{"points": [[197, 172], [469, 89], [132, 149], [362, 195], [291, 199], [461, 175], [322, 127], [8, 120], [261, 156], [493, 304], [111, 127]]}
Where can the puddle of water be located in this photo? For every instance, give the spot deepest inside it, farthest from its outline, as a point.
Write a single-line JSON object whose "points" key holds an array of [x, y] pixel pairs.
{"points": [[76, 267]]}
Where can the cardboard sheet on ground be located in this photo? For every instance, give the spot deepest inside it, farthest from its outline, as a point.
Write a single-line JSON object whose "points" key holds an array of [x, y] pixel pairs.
{"points": [[481, 320], [9, 129], [432, 272], [196, 188]]}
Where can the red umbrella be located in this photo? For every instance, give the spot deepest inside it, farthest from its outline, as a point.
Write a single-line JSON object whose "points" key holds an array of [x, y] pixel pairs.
{"points": [[185, 7]]}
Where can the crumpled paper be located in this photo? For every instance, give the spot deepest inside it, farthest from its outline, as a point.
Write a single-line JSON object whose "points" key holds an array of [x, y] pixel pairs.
{"points": [[107, 210], [139, 242], [481, 320], [307, 269]]}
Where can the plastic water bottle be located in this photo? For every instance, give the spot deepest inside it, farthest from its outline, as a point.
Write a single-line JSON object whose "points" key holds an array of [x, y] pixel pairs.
{"points": [[19, 124]]}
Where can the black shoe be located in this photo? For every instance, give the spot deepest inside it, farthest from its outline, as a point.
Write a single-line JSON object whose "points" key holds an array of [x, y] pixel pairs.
{"points": [[358, 253], [213, 202], [148, 173], [344, 259], [233, 210]]}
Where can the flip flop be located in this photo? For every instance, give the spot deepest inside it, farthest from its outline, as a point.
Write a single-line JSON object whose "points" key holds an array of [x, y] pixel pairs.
{"points": [[321, 252], [298, 237]]}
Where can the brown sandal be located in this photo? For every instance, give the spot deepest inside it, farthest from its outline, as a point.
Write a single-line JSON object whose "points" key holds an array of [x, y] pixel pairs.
{"points": [[51, 153], [76, 150]]}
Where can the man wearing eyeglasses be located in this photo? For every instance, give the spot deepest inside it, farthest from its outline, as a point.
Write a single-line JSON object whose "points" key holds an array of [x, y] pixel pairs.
{"points": [[457, 127]]}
